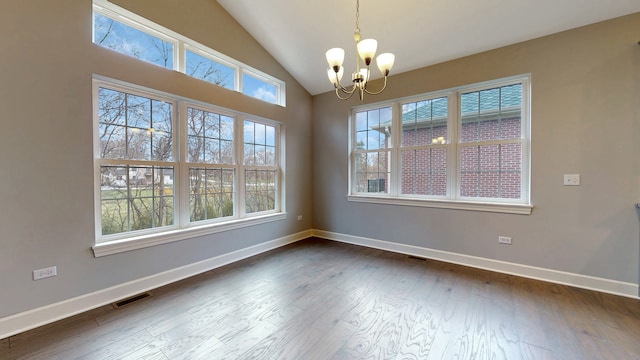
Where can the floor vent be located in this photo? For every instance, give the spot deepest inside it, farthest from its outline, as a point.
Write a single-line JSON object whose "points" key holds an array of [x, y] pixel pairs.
{"points": [[127, 301], [416, 258]]}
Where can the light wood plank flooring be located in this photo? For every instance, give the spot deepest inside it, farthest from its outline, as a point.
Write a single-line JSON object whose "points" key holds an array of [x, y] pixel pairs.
{"points": [[319, 299]]}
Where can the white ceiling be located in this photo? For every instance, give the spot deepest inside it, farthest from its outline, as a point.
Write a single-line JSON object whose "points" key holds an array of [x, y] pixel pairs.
{"points": [[419, 32]]}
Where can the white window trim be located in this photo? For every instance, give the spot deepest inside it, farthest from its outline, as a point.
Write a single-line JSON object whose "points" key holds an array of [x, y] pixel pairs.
{"points": [[453, 200], [182, 43], [144, 241], [183, 228]]}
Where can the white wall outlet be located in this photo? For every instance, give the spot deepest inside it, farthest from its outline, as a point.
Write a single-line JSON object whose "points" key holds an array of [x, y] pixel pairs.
{"points": [[504, 240], [45, 273], [571, 179], [299, 217]]}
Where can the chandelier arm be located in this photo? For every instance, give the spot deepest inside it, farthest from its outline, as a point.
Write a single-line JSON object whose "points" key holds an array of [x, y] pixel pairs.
{"points": [[384, 86], [344, 90], [349, 94]]}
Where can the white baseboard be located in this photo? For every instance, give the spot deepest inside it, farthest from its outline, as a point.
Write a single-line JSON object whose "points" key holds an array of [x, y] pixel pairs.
{"points": [[532, 272], [28, 320]]}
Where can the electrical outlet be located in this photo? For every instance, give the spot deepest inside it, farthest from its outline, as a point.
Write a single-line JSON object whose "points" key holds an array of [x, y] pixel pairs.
{"points": [[299, 217], [504, 240], [45, 273], [571, 179]]}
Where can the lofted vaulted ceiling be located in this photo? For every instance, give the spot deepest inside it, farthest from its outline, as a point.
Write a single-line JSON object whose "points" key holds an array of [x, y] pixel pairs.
{"points": [[419, 32]]}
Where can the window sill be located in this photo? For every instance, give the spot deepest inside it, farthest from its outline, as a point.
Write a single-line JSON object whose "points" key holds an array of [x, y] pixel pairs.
{"points": [[506, 208], [139, 242]]}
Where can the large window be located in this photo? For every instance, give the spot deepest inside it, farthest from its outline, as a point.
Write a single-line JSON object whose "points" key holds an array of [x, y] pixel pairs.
{"points": [[462, 148], [136, 161], [210, 152], [120, 30], [261, 171], [159, 170]]}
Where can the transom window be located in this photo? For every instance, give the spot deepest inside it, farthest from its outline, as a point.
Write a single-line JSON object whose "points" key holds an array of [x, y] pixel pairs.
{"points": [[159, 169], [467, 146], [120, 30]]}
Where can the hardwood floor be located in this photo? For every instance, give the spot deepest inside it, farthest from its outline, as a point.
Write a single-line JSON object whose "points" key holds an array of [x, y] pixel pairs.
{"points": [[319, 299]]}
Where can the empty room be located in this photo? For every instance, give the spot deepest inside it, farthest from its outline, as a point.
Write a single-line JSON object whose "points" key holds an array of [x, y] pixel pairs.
{"points": [[231, 179]]}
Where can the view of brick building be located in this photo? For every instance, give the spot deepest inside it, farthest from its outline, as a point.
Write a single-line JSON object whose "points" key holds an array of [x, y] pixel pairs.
{"points": [[490, 153]]}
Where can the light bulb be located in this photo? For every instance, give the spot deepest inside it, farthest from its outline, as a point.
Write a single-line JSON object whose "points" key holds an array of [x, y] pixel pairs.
{"points": [[385, 62], [335, 58], [367, 50]]}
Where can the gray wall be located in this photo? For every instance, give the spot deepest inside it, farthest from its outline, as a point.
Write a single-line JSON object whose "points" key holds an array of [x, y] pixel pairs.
{"points": [[46, 164], [585, 119]]}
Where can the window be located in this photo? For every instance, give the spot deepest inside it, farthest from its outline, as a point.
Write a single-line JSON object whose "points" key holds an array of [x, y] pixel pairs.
{"points": [[372, 149], [145, 186], [462, 148], [136, 161], [261, 89], [210, 142], [203, 67], [120, 30], [423, 150], [128, 40], [260, 166]]}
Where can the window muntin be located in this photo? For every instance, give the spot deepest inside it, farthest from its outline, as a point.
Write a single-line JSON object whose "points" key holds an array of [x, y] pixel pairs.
{"points": [[131, 34], [125, 39], [136, 161], [145, 186], [463, 145]]}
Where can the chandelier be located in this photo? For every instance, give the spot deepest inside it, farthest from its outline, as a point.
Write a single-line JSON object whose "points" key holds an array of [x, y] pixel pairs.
{"points": [[366, 50]]}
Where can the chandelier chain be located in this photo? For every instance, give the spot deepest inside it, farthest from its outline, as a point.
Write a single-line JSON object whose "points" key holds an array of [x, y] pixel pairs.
{"points": [[358, 16]]}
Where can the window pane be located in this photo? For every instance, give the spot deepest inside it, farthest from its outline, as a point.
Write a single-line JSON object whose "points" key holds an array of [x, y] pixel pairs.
{"points": [[259, 144], [138, 144], [211, 193], [259, 89], [161, 146], [425, 122], [424, 171], [377, 133], [209, 70], [136, 198], [134, 127], [260, 190], [372, 171], [204, 137], [113, 143], [491, 171], [127, 40], [226, 127], [111, 108], [492, 114]]}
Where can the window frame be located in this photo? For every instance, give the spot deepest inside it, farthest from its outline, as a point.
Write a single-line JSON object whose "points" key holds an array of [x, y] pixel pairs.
{"points": [[181, 45], [264, 167], [453, 199], [183, 227]]}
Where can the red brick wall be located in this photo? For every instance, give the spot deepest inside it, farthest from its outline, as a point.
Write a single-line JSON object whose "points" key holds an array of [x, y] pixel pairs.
{"points": [[487, 171]]}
